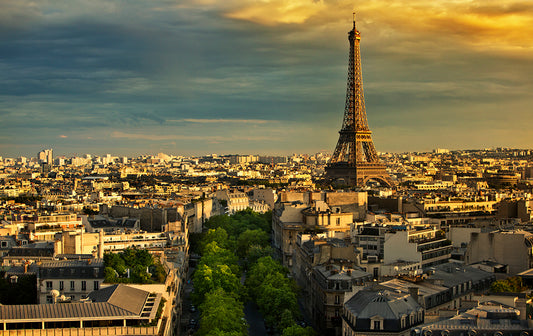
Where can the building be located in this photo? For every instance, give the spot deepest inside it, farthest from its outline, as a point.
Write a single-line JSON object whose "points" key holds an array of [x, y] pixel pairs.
{"points": [[427, 246], [235, 201], [511, 248], [381, 312], [46, 227], [46, 156], [444, 287], [484, 319], [72, 279], [114, 310], [327, 271], [306, 212]]}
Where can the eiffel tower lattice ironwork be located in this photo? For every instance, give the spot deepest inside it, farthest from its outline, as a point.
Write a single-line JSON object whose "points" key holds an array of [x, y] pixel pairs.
{"points": [[355, 160]]}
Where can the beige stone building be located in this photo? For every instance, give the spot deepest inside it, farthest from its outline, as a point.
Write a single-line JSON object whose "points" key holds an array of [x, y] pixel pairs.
{"points": [[511, 248], [301, 212]]}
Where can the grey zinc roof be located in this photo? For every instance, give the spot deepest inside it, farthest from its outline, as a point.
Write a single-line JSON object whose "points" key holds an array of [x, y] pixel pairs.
{"points": [[453, 274], [60, 311], [122, 296], [113, 301], [368, 303]]}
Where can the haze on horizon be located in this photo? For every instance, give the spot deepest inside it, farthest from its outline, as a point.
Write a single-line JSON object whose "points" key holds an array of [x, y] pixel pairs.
{"points": [[194, 77]]}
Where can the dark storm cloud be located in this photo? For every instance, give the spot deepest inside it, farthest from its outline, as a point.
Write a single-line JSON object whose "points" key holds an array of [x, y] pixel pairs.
{"points": [[133, 72]]}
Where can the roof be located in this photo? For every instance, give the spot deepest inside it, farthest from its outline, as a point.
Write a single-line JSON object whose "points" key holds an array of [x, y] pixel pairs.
{"points": [[122, 296], [366, 304], [453, 274], [60, 311], [424, 288], [117, 301], [485, 317], [72, 269]]}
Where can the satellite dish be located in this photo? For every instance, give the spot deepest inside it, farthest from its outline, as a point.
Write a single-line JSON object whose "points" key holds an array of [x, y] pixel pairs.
{"points": [[54, 293]]}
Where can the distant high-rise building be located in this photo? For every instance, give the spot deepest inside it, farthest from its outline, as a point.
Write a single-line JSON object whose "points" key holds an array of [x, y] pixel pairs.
{"points": [[45, 156]]}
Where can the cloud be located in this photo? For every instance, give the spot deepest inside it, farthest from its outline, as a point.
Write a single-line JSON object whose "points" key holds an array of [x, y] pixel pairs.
{"points": [[206, 138], [223, 121], [270, 75], [63, 136]]}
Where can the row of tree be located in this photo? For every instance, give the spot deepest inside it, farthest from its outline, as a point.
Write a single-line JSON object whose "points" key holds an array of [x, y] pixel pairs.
{"points": [[133, 266], [232, 244]]}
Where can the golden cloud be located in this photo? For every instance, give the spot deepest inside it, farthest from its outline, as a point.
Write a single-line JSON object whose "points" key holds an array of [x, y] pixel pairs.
{"points": [[479, 24]]}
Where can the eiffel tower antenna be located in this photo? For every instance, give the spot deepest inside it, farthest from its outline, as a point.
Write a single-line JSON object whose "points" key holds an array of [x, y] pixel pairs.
{"points": [[355, 160]]}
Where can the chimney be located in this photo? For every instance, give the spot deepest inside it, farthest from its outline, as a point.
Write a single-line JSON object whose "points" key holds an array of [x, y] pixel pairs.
{"points": [[521, 305], [413, 291], [26, 266]]}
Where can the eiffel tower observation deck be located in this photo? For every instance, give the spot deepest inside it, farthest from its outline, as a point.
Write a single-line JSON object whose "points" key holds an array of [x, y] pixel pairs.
{"points": [[355, 160]]}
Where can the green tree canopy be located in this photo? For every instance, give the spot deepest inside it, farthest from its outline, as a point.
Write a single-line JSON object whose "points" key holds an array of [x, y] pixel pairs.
{"points": [[215, 255], [259, 272], [207, 279], [251, 238], [218, 235], [222, 314], [296, 330]]}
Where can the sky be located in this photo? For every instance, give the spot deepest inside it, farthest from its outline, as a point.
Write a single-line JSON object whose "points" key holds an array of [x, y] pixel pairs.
{"points": [[195, 77]]}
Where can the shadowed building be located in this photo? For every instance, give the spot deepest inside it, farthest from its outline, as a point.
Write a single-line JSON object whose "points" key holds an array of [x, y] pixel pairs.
{"points": [[372, 313]]}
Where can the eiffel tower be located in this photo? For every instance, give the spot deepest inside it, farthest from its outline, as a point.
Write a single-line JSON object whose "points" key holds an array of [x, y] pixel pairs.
{"points": [[355, 160]]}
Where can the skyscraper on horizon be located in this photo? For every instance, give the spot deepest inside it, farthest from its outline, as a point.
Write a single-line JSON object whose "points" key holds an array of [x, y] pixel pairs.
{"points": [[46, 156]]}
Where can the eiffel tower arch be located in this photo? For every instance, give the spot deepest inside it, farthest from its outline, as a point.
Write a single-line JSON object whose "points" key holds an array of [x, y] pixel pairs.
{"points": [[355, 160]]}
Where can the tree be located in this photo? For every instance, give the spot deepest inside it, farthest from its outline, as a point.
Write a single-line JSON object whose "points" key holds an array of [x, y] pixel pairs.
{"points": [[221, 313], [259, 272], [296, 330], [218, 235], [249, 238], [274, 296], [256, 252], [215, 255], [500, 286], [208, 278], [511, 284]]}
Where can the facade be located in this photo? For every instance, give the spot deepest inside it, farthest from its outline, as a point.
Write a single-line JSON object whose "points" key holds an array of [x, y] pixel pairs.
{"points": [[428, 246], [72, 279], [305, 212], [373, 313], [327, 271], [152, 219], [266, 195], [236, 201], [45, 227], [99, 243], [511, 248]]}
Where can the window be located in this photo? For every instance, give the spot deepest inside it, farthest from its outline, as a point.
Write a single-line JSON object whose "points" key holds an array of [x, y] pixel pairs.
{"points": [[72, 285], [84, 285], [49, 285], [61, 285], [337, 299], [4, 243], [96, 285], [338, 221], [377, 325], [49, 299]]}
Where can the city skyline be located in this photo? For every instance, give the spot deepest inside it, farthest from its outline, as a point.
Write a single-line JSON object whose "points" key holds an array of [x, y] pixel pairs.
{"points": [[201, 77]]}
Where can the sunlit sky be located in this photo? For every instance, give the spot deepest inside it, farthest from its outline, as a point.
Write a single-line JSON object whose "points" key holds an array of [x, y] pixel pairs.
{"points": [[193, 77]]}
